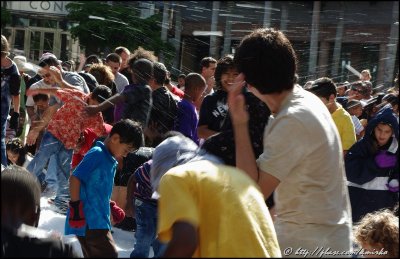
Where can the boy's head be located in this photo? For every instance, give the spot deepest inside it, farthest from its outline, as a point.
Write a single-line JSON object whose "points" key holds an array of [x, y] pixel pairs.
{"points": [[195, 84], [142, 70], [46, 61], [160, 73], [20, 198], [225, 73], [181, 80], [113, 60], [379, 230], [354, 107], [124, 53], [125, 136], [99, 95], [41, 101], [325, 89], [267, 60]]}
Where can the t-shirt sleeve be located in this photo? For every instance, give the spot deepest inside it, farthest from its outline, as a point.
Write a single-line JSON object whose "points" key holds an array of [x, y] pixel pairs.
{"points": [[176, 203], [88, 164], [282, 152], [348, 135]]}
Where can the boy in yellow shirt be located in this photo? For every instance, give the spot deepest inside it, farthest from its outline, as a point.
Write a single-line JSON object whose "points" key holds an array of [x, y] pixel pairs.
{"points": [[207, 209]]}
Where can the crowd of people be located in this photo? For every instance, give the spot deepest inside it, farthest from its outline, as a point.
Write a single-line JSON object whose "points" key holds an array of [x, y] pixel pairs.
{"points": [[237, 160]]}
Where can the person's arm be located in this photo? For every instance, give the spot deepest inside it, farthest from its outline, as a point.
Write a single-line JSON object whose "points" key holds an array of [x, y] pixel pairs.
{"points": [[16, 102], [35, 131], [184, 240], [130, 196], [82, 61], [204, 132], [74, 188], [245, 159], [93, 109]]}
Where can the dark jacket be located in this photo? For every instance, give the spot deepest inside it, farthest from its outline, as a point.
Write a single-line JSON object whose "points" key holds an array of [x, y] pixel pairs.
{"points": [[17, 244], [366, 180]]}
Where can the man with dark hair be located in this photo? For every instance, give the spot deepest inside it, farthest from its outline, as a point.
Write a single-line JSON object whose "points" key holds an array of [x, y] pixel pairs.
{"points": [[207, 70], [316, 211], [20, 212], [125, 54], [135, 100], [164, 109], [63, 133], [114, 62], [325, 89]]}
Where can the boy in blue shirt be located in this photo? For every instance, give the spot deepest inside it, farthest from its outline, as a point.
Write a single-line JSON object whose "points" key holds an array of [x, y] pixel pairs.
{"points": [[91, 185]]}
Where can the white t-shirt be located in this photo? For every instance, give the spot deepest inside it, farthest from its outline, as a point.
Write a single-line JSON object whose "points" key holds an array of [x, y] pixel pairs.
{"points": [[302, 149], [39, 84], [120, 81], [357, 125]]}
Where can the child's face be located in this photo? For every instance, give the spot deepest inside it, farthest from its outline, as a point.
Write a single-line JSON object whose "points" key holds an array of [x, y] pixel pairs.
{"points": [[357, 111], [227, 78], [383, 132], [42, 105], [118, 149], [13, 157]]}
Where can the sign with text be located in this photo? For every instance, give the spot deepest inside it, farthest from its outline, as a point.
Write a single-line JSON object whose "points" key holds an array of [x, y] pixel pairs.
{"points": [[49, 7]]}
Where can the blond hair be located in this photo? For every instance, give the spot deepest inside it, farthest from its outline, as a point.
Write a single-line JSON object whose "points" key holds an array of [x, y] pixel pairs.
{"points": [[380, 228]]}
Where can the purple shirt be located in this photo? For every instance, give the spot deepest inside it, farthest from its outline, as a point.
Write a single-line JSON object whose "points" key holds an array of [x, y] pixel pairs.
{"points": [[187, 120]]}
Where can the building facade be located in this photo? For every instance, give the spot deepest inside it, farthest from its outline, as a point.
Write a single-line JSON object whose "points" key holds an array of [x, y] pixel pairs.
{"points": [[327, 36]]}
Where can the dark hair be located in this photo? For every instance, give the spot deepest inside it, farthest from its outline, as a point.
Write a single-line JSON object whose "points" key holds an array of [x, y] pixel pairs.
{"points": [[323, 87], [40, 97], [15, 145], [20, 192], [223, 65], [182, 76], [205, 62], [121, 49], [101, 93], [160, 72], [49, 61], [142, 70], [93, 59], [129, 131], [194, 81], [114, 57], [267, 60]]}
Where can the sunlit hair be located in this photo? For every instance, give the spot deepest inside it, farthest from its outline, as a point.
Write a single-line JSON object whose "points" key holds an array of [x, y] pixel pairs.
{"points": [[379, 228], [267, 60], [142, 53], [5, 47], [103, 74], [121, 49]]}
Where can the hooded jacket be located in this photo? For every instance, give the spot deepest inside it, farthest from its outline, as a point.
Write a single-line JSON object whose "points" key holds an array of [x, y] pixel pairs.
{"points": [[367, 181]]}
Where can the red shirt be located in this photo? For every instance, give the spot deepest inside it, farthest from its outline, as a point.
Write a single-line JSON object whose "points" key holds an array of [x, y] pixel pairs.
{"points": [[70, 120], [178, 92]]}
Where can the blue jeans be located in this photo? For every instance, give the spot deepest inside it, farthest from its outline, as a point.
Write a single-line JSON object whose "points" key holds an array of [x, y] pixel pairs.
{"points": [[61, 165], [5, 110], [51, 173], [146, 230]]}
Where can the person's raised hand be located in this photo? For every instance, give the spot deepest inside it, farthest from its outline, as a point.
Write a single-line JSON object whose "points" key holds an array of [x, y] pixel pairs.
{"points": [[56, 74], [236, 102]]}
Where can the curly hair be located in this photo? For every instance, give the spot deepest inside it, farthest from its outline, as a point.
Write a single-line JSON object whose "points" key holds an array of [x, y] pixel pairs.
{"points": [[103, 74], [142, 53], [379, 228]]}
